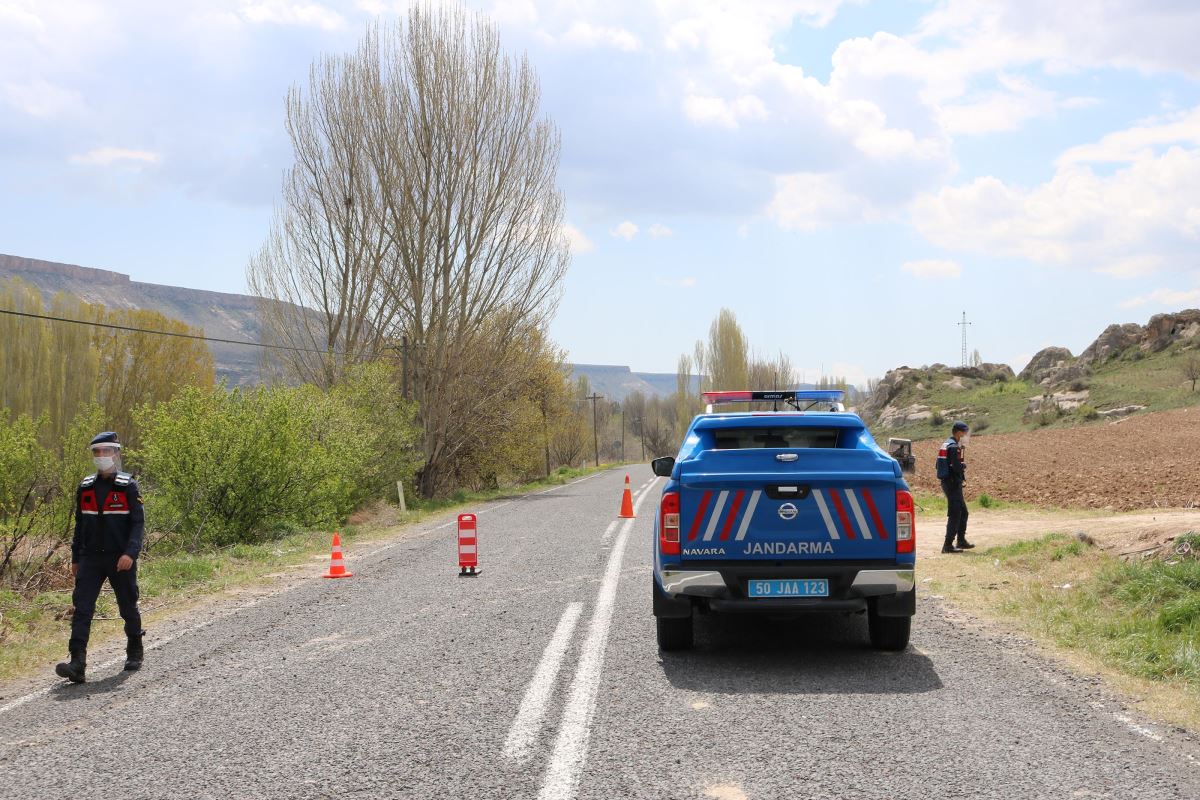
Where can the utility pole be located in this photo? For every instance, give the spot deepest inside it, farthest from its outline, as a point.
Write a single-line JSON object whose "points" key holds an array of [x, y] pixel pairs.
{"points": [[622, 434], [641, 423], [595, 437], [964, 325]]}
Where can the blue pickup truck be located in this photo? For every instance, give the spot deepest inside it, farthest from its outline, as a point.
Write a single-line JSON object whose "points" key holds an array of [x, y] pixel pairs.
{"points": [[782, 513]]}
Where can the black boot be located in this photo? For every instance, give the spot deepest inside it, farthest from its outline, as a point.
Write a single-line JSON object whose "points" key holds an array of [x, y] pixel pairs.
{"points": [[963, 544], [949, 547], [73, 670], [134, 653]]}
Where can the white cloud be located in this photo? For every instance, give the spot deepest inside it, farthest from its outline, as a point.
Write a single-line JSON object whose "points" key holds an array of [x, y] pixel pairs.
{"points": [[1141, 218], [1170, 298], [717, 111], [106, 156], [659, 231], [584, 34], [1138, 142], [288, 12], [809, 201], [932, 269], [626, 230], [577, 240]]}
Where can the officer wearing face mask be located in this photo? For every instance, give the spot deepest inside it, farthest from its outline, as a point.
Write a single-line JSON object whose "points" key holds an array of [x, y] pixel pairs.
{"points": [[109, 524], [952, 472]]}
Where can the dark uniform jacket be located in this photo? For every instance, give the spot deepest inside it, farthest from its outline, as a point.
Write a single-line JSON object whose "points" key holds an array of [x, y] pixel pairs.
{"points": [[950, 464], [109, 519]]}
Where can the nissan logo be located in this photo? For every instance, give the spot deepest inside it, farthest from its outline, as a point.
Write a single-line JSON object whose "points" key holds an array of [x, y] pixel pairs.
{"points": [[787, 511]]}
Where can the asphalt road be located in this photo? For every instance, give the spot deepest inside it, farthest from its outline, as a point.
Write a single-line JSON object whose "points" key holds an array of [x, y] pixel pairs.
{"points": [[541, 679]]}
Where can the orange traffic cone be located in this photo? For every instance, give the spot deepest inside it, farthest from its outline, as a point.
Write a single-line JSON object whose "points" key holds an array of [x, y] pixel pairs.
{"points": [[626, 502], [337, 567]]}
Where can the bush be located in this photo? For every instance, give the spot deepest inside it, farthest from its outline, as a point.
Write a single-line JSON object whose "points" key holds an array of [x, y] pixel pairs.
{"points": [[224, 467], [37, 490], [1087, 412], [938, 419], [981, 424], [986, 501], [1079, 384]]}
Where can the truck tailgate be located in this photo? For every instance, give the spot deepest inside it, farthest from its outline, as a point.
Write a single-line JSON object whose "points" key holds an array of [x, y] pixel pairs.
{"points": [[817, 504]]}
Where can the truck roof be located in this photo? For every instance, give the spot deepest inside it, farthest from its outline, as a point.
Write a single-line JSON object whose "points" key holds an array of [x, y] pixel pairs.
{"points": [[767, 419]]}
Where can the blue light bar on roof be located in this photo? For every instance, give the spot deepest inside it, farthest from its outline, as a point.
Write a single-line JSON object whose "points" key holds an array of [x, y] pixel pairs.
{"points": [[804, 396]]}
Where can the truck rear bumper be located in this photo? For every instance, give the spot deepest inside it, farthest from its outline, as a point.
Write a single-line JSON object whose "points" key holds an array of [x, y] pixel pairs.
{"points": [[851, 588]]}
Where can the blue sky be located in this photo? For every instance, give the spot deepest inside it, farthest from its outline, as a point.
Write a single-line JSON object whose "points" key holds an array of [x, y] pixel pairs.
{"points": [[848, 177]]}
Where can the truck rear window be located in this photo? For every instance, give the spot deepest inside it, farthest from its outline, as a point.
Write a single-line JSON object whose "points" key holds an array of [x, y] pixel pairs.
{"points": [[747, 438]]}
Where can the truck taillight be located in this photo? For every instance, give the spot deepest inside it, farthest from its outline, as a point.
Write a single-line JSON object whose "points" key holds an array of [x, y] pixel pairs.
{"points": [[906, 524], [668, 524]]}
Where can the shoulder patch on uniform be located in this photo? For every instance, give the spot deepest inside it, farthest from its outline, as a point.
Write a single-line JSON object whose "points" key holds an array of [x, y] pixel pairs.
{"points": [[123, 479], [86, 482]]}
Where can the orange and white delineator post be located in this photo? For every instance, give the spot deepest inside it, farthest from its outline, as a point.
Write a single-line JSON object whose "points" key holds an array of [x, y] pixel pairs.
{"points": [[626, 502], [337, 567], [468, 545]]}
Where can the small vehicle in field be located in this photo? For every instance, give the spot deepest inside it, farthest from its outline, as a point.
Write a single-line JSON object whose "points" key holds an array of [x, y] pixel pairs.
{"points": [[901, 450], [782, 513]]}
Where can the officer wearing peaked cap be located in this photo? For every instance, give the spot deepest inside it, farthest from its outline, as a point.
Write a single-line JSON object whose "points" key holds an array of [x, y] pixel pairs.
{"points": [[952, 472], [109, 524]]}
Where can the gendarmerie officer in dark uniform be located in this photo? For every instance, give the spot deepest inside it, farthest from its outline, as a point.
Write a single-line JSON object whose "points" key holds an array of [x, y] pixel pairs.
{"points": [[952, 472], [109, 524]]}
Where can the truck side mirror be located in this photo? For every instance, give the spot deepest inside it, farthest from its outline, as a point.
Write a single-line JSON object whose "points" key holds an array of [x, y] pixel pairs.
{"points": [[663, 467]]}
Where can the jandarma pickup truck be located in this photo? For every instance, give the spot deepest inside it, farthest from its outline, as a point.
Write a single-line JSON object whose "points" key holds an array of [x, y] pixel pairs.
{"points": [[782, 513]]}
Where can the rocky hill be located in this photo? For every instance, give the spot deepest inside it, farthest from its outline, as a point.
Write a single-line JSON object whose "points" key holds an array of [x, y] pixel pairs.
{"points": [[1127, 369], [225, 315], [218, 314]]}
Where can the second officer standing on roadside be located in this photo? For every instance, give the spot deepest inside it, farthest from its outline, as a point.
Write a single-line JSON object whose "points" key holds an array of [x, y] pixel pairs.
{"points": [[952, 472], [109, 524]]}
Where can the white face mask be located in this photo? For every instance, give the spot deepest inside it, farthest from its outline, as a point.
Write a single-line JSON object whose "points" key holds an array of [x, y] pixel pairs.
{"points": [[965, 440], [104, 463]]}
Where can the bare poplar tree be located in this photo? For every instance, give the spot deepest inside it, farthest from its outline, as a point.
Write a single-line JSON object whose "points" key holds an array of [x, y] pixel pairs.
{"points": [[323, 266], [423, 204], [468, 168]]}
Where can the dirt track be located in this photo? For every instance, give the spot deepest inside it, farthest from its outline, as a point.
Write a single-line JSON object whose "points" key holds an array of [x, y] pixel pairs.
{"points": [[1141, 462]]}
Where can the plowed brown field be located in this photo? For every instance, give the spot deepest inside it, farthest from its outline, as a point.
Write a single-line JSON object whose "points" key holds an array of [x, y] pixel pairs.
{"points": [[1143, 461]]}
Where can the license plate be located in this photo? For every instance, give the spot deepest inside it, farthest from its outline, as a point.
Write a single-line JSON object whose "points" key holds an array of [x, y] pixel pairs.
{"points": [[812, 587]]}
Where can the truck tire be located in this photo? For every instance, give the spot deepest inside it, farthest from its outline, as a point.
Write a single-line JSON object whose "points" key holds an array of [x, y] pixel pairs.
{"points": [[674, 633], [888, 633]]}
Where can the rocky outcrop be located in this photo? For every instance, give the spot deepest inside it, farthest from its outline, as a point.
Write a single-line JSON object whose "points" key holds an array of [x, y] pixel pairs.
{"points": [[1158, 334], [985, 372], [1115, 339], [1052, 366], [1066, 401]]}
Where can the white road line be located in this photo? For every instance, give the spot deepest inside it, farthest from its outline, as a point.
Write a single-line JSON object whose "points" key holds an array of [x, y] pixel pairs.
{"points": [[608, 531], [525, 728], [1138, 729], [570, 749]]}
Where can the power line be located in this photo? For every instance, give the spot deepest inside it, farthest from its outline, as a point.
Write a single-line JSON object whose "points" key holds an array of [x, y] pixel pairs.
{"points": [[198, 337]]}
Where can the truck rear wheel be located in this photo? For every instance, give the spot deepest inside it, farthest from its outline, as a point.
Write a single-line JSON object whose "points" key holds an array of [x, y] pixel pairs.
{"points": [[674, 633], [888, 633]]}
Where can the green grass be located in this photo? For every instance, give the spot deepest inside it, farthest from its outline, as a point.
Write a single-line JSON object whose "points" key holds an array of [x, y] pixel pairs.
{"points": [[1132, 378], [1140, 618], [34, 628]]}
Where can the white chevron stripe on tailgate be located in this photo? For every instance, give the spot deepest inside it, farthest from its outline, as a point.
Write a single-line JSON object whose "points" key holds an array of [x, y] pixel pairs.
{"points": [[858, 515], [716, 516], [829, 526], [741, 534]]}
